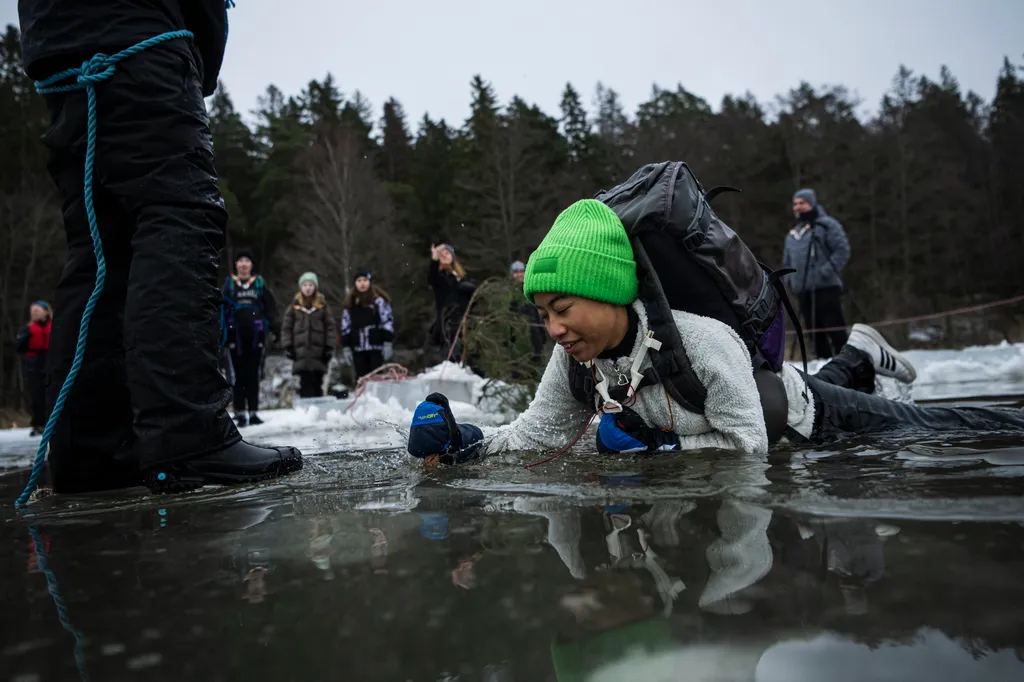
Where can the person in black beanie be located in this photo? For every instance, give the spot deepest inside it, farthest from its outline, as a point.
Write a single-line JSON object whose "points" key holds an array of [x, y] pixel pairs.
{"points": [[148, 404], [251, 320], [367, 326]]}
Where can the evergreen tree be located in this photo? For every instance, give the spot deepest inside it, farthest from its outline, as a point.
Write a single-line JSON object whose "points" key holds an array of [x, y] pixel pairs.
{"points": [[396, 143], [1006, 145], [433, 172], [929, 189]]}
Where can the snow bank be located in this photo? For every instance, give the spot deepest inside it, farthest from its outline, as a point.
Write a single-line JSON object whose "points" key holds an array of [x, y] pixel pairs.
{"points": [[974, 371], [459, 384], [450, 371]]}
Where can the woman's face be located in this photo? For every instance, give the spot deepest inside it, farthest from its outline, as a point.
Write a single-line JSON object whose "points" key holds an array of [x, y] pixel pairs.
{"points": [[446, 257], [308, 289], [362, 284], [583, 327], [37, 313]]}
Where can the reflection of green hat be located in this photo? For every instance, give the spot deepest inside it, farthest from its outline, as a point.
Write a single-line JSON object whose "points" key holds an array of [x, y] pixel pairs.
{"points": [[574, 661], [586, 253]]}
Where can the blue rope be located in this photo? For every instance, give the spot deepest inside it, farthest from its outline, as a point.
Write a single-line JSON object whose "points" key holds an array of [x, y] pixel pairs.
{"points": [[228, 4], [58, 601], [96, 70]]}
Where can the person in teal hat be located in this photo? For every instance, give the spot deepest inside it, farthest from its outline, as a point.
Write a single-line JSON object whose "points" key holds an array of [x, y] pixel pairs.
{"points": [[309, 333], [583, 280]]}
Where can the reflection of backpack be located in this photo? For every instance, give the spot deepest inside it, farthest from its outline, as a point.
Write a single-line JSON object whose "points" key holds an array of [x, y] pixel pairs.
{"points": [[689, 260]]}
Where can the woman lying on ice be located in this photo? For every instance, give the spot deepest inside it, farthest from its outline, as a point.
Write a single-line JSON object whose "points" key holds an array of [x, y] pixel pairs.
{"points": [[583, 279]]}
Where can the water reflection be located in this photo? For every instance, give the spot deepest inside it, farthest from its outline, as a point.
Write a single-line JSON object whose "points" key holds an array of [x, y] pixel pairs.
{"points": [[437, 583]]}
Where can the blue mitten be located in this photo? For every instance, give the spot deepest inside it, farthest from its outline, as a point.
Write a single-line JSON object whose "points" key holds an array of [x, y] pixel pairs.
{"points": [[434, 432], [626, 431]]}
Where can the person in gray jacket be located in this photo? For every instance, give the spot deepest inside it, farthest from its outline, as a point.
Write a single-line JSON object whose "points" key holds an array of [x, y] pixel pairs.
{"points": [[817, 248]]}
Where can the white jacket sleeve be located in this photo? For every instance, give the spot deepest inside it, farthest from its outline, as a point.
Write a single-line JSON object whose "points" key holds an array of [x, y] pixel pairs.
{"points": [[733, 407], [552, 420]]}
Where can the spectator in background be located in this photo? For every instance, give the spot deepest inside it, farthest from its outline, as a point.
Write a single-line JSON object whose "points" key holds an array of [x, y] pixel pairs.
{"points": [[251, 319], [817, 248], [452, 294], [367, 326], [32, 345], [308, 334], [520, 305]]}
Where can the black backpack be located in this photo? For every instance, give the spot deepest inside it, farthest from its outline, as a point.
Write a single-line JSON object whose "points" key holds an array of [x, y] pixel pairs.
{"points": [[688, 259]]}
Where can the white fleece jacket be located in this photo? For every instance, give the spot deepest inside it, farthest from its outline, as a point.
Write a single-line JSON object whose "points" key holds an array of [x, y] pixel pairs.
{"points": [[732, 418]]}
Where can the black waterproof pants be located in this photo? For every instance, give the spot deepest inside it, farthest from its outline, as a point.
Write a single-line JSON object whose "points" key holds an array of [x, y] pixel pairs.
{"points": [[247, 361], [35, 382], [149, 384], [823, 308], [850, 368], [367, 361], [846, 407], [311, 384]]}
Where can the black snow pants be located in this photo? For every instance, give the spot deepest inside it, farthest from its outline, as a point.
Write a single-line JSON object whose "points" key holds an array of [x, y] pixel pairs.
{"points": [[822, 309], [35, 382], [311, 384], [844, 405], [149, 389], [365, 361], [247, 360]]}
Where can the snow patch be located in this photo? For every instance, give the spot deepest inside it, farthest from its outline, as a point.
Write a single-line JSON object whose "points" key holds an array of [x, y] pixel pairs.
{"points": [[450, 371]]}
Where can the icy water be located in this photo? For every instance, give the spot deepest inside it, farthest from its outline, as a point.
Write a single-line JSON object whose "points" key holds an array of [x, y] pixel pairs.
{"points": [[876, 559]]}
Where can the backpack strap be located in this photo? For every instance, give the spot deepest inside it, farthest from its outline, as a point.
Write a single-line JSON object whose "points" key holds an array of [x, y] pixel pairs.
{"points": [[671, 364], [581, 384], [775, 279], [584, 390]]}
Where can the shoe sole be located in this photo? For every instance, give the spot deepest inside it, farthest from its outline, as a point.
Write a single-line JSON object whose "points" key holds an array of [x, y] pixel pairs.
{"points": [[167, 482], [877, 337]]}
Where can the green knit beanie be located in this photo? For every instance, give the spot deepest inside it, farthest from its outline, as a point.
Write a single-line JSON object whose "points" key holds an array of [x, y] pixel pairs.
{"points": [[586, 253], [309, 277]]}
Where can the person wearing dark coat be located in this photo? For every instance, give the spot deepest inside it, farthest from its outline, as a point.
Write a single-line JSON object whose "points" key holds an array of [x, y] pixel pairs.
{"points": [[251, 319], [520, 305], [818, 249], [452, 295], [33, 345], [148, 404], [309, 334], [367, 326]]}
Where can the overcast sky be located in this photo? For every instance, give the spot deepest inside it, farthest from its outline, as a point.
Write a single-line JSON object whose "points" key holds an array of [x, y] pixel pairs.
{"points": [[425, 53]]}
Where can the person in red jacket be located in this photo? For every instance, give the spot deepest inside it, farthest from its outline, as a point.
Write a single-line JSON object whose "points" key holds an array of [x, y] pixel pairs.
{"points": [[32, 345]]}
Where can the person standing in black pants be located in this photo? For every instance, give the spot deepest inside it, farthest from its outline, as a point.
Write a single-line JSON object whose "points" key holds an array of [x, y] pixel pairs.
{"points": [[309, 334], [818, 249], [33, 345], [148, 404], [251, 327], [367, 326]]}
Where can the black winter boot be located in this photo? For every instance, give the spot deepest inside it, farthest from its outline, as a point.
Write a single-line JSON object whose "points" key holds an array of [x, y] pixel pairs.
{"points": [[238, 463]]}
